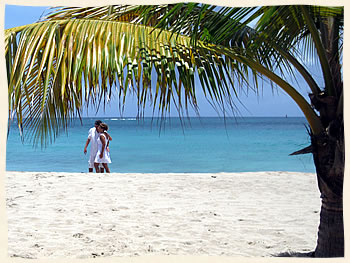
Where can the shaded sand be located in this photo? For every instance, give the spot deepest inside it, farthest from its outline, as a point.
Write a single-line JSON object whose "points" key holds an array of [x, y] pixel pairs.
{"points": [[74, 215]]}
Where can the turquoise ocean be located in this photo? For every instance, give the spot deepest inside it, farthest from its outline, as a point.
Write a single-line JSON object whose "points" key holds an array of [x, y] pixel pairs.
{"points": [[173, 145]]}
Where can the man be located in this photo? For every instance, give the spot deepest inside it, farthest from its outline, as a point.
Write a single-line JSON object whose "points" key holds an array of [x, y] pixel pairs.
{"points": [[92, 137]]}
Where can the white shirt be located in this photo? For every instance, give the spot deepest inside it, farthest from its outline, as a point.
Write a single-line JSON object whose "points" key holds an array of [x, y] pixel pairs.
{"points": [[93, 136]]}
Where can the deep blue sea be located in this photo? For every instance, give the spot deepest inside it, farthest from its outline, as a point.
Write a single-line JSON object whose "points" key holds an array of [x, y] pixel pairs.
{"points": [[206, 144]]}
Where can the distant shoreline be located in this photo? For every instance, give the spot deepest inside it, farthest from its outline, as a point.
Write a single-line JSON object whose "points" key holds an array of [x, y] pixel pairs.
{"points": [[165, 173]]}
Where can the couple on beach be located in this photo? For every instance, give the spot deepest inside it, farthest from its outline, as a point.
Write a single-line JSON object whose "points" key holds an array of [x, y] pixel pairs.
{"points": [[99, 148]]}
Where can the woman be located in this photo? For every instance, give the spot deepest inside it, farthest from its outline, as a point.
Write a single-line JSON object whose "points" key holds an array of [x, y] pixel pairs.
{"points": [[102, 155]]}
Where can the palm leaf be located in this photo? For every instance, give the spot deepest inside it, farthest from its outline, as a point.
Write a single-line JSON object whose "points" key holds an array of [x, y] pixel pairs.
{"points": [[52, 68], [121, 47]]}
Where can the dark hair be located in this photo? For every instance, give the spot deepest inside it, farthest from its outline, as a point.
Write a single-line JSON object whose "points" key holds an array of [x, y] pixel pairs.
{"points": [[104, 126], [98, 122]]}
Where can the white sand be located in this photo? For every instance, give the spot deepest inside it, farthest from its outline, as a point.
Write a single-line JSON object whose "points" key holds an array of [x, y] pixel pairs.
{"points": [[53, 215]]}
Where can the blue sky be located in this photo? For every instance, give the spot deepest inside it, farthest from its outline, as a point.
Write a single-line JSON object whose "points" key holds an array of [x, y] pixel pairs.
{"points": [[268, 103]]}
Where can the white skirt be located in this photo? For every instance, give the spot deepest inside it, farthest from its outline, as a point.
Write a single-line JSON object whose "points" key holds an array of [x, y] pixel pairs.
{"points": [[105, 158]]}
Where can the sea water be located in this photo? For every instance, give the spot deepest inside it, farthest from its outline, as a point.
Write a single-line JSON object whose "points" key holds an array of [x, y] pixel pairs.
{"points": [[174, 145]]}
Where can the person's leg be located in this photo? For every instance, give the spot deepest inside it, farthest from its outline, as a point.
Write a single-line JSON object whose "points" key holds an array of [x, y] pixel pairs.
{"points": [[105, 165], [91, 162], [102, 169], [97, 167]]}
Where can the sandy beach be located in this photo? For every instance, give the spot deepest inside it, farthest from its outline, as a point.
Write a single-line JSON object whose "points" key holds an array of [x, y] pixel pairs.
{"points": [[81, 215]]}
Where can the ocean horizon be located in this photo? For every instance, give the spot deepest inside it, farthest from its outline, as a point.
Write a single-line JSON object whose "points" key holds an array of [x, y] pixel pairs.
{"points": [[173, 145]]}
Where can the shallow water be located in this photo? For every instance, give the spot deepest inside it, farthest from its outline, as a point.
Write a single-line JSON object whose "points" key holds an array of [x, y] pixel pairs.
{"points": [[194, 145]]}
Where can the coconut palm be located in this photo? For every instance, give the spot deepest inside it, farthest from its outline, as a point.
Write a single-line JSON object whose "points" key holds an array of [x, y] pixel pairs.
{"points": [[81, 56]]}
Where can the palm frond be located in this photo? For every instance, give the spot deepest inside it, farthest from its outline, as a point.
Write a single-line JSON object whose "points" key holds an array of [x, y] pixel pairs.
{"points": [[82, 56], [50, 63]]}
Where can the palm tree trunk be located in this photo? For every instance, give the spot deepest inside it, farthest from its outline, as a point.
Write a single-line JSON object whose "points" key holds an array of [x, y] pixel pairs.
{"points": [[328, 152], [330, 242]]}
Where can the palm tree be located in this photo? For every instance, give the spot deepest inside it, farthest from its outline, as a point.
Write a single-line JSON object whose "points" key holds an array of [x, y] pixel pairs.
{"points": [[80, 55]]}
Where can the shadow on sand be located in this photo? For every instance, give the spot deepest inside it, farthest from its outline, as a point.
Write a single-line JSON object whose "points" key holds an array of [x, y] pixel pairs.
{"points": [[295, 254]]}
